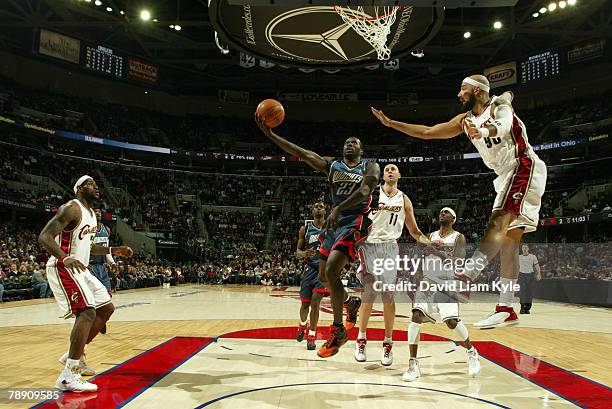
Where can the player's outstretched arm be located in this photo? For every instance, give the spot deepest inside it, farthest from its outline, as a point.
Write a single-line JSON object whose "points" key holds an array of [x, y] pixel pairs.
{"points": [[315, 161], [67, 215], [123, 251], [368, 183], [459, 251], [445, 130], [411, 223]]}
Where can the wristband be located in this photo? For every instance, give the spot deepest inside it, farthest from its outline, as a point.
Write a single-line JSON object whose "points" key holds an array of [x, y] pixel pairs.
{"points": [[483, 132]]}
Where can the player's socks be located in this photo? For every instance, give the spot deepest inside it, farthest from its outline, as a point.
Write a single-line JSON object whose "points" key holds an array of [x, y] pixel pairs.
{"points": [[337, 337], [475, 265], [506, 292], [85, 369], [312, 332], [361, 335]]}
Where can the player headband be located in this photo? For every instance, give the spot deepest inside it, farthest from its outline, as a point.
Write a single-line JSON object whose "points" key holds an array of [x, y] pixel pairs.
{"points": [[468, 80], [79, 182], [451, 211]]}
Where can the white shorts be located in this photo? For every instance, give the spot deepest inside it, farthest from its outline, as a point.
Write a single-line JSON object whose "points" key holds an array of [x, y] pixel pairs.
{"points": [[426, 303], [75, 292], [372, 257], [520, 191]]}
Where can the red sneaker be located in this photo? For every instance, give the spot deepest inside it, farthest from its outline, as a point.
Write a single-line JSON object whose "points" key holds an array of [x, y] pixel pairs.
{"points": [[310, 343], [337, 337], [502, 317], [352, 308], [301, 331]]}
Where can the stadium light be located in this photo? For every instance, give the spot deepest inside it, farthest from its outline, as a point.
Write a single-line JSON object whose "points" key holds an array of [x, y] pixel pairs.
{"points": [[178, 28], [467, 34], [145, 15], [571, 2], [552, 7], [535, 15], [98, 3], [497, 25], [87, 1], [155, 20], [109, 9], [562, 4], [122, 12], [543, 10]]}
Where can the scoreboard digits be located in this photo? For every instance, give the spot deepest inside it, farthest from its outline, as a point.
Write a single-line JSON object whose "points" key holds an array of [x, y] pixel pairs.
{"points": [[540, 66], [104, 60]]}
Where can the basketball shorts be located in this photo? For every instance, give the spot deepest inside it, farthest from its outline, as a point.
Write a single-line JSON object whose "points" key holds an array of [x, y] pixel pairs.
{"points": [[310, 284], [75, 292], [101, 274], [347, 236], [432, 304], [379, 260], [520, 191]]}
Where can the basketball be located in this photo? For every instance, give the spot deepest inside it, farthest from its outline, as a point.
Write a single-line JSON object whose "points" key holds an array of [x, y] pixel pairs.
{"points": [[272, 112]]}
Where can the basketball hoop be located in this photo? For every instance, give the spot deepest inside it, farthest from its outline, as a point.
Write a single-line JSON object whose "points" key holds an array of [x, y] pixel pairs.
{"points": [[373, 29]]}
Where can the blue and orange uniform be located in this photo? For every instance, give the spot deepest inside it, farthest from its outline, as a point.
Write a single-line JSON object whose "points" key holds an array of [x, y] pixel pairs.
{"points": [[353, 223], [96, 262], [310, 280]]}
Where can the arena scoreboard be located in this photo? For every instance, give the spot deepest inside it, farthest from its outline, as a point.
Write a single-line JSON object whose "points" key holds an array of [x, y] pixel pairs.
{"points": [[540, 66], [104, 60]]}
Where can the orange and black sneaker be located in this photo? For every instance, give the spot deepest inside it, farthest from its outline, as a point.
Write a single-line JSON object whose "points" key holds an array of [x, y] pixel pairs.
{"points": [[301, 331], [310, 343], [337, 337], [352, 308]]}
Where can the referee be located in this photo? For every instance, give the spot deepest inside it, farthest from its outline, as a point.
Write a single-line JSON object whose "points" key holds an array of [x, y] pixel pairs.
{"points": [[528, 264]]}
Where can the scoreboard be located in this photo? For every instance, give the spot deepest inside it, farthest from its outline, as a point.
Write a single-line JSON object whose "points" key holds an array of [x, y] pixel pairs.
{"points": [[540, 66], [104, 60]]}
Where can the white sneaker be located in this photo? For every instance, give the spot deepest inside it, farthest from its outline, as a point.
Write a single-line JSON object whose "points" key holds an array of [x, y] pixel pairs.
{"points": [[360, 352], [71, 381], [473, 362], [387, 355], [413, 371], [86, 370], [502, 317]]}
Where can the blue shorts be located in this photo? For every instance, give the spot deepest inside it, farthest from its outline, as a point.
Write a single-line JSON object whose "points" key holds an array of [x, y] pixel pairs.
{"points": [[100, 273], [347, 236], [310, 284]]}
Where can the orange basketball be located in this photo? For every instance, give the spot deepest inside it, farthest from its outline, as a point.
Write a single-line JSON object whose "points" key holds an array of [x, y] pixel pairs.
{"points": [[272, 112]]}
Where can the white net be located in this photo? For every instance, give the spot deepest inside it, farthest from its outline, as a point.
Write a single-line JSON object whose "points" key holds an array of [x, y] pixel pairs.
{"points": [[374, 29]]}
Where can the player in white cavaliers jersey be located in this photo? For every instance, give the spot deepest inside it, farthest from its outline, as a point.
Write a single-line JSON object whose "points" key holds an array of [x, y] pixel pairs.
{"points": [[68, 238], [501, 139], [388, 219], [451, 246]]}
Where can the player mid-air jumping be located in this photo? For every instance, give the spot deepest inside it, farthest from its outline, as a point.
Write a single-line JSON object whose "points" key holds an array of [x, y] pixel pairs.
{"points": [[353, 182], [501, 139]]}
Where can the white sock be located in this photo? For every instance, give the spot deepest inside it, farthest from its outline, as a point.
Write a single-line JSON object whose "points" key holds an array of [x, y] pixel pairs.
{"points": [[388, 340], [312, 333], [362, 335], [471, 350], [506, 293], [303, 323], [475, 264], [71, 363]]}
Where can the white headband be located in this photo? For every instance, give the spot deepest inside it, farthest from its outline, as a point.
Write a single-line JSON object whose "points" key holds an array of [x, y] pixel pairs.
{"points": [[468, 80], [79, 182], [451, 211]]}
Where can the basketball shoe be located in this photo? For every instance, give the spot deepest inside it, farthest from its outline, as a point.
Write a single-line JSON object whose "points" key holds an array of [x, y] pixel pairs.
{"points": [[86, 370], [301, 332], [413, 371], [337, 337], [387, 354], [352, 308], [473, 362], [310, 343], [360, 350], [502, 317], [70, 380]]}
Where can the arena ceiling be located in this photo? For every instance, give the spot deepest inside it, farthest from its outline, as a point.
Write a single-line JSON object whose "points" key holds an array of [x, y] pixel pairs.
{"points": [[190, 60]]}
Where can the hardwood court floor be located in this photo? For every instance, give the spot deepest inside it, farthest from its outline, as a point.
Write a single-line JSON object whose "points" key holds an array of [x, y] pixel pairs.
{"points": [[32, 337]]}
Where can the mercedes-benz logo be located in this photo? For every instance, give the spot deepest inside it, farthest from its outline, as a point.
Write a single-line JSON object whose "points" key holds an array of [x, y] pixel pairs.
{"points": [[329, 39]]}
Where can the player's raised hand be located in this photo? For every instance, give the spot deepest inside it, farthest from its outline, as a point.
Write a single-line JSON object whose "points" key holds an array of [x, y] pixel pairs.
{"points": [[381, 116], [260, 124], [122, 251], [332, 219], [308, 253]]}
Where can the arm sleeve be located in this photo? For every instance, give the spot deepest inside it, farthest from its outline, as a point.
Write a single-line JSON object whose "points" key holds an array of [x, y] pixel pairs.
{"points": [[503, 119]]}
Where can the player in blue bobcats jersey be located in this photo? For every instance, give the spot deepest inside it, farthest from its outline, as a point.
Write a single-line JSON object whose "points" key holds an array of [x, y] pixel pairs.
{"points": [[97, 262], [311, 289], [352, 181]]}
